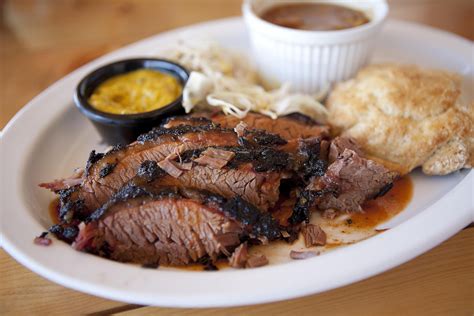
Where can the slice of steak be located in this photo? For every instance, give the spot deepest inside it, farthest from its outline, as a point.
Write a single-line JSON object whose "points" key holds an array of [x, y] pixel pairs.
{"points": [[167, 225], [288, 127], [352, 180]]}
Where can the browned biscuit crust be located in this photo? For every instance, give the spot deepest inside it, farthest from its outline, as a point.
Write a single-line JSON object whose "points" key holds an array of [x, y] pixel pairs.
{"points": [[406, 116]]}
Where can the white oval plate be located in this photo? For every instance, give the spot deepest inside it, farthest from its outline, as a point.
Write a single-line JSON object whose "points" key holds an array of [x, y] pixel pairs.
{"points": [[48, 138]]}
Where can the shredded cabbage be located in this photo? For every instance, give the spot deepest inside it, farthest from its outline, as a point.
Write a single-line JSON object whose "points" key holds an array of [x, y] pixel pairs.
{"points": [[220, 78]]}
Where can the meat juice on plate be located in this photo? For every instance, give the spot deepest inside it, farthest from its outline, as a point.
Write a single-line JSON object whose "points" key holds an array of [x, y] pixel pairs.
{"points": [[346, 229]]}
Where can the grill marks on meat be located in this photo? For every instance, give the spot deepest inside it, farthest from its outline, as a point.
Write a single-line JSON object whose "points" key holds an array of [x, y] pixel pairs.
{"points": [[147, 225]]}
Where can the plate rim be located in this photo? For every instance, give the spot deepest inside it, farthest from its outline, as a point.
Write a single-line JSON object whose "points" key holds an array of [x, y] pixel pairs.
{"points": [[202, 299]]}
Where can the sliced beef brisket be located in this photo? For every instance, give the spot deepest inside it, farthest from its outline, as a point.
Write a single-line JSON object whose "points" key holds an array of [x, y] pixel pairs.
{"points": [[122, 164], [351, 180], [167, 225], [263, 153], [197, 187], [260, 189], [345, 184], [129, 159], [290, 127]]}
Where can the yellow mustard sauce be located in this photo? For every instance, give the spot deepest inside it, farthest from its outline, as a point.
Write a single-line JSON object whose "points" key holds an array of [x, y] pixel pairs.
{"points": [[134, 92]]}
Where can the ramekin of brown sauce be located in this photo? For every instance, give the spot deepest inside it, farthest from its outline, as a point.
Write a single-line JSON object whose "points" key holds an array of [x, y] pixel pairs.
{"points": [[129, 97], [312, 44], [314, 16]]}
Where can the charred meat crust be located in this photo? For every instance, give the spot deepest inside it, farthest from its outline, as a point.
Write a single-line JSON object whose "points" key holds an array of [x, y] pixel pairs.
{"points": [[259, 223], [132, 191], [150, 170], [313, 164], [262, 158], [95, 190], [259, 189], [104, 177], [93, 158], [260, 137], [188, 120], [64, 232], [70, 208], [303, 206], [179, 131], [290, 127], [107, 169], [153, 135]]}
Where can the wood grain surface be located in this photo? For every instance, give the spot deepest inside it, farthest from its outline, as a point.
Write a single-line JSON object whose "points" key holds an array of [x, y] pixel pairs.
{"points": [[42, 40]]}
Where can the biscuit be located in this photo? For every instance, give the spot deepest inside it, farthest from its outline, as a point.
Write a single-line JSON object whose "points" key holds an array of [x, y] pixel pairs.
{"points": [[407, 117]]}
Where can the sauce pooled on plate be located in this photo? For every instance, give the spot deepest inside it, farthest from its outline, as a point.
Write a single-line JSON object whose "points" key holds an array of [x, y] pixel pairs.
{"points": [[314, 16]]}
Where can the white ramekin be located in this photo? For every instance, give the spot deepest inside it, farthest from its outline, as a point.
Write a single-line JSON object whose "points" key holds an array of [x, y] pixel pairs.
{"points": [[311, 60]]}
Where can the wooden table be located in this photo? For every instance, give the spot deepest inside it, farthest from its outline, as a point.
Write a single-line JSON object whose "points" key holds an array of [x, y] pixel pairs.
{"points": [[40, 41]]}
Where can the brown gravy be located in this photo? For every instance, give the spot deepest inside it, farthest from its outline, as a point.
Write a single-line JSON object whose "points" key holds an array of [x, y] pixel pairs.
{"points": [[314, 16]]}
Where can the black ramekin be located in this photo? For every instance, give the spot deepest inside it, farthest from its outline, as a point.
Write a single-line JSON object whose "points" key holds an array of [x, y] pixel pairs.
{"points": [[124, 128]]}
